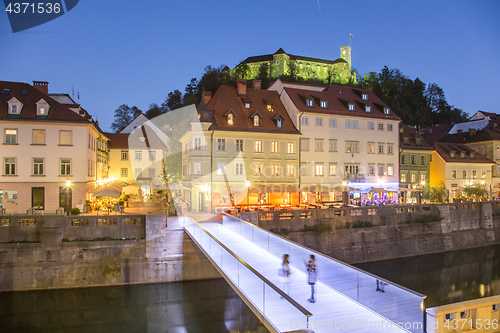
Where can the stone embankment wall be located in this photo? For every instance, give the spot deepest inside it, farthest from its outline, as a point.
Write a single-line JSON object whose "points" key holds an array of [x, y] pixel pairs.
{"points": [[154, 250], [393, 232]]}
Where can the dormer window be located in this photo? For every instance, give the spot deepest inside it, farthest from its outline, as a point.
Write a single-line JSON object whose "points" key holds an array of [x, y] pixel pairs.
{"points": [[309, 103], [462, 154], [351, 107], [15, 106], [368, 108], [256, 121], [323, 104], [364, 97], [418, 141], [452, 154], [279, 122], [42, 108], [472, 155], [247, 105], [406, 141], [387, 111], [270, 108], [230, 119]]}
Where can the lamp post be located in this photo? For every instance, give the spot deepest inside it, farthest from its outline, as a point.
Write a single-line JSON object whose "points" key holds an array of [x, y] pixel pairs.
{"points": [[247, 183], [344, 193]]}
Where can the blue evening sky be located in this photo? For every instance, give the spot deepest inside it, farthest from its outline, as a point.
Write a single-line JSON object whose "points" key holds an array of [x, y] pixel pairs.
{"points": [[136, 52]]}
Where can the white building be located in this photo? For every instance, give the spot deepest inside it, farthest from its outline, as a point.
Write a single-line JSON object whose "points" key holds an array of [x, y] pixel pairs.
{"points": [[49, 151], [348, 134]]}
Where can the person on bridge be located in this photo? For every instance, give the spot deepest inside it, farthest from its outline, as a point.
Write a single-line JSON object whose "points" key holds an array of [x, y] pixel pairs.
{"points": [[312, 275], [285, 273]]}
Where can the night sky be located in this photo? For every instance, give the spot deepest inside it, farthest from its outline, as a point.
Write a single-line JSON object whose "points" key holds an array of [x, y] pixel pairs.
{"points": [[136, 52]]}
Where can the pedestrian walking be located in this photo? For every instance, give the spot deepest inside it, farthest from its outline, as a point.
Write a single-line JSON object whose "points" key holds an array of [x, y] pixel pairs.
{"points": [[285, 273], [312, 275]]}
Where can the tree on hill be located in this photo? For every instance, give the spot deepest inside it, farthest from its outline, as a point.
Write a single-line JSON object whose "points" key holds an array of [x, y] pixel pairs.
{"points": [[124, 115]]}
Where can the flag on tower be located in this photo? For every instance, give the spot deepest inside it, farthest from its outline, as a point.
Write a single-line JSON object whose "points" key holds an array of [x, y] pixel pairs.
{"points": [[351, 35]]}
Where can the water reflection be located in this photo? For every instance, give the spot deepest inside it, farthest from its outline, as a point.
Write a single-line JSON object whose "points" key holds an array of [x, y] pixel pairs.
{"points": [[445, 277], [198, 306]]}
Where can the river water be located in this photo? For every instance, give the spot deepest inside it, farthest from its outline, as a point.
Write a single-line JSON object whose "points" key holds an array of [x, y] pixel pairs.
{"points": [[447, 277]]}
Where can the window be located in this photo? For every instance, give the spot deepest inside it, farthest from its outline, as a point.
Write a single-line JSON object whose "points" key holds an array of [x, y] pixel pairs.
{"points": [[368, 108], [474, 174], [319, 121], [323, 104], [138, 155], [418, 141], [364, 97], [406, 141], [370, 125], [333, 122], [257, 169], [304, 144], [380, 169], [138, 172], [230, 119], [11, 136], [274, 146], [42, 108], [422, 177], [124, 155], [355, 124], [14, 106], [279, 122], [275, 170], [309, 102], [221, 144], [454, 174], [239, 169], [371, 147], [318, 143], [333, 169], [371, 170], [332, 145], [258, 146], [13, 109], [380, 126], [351, 107], [351, 169], [319, 169], [413, 159], [404, 159], [38, 166], [269, 107], [452, 154], [239, 145], [9, 166], [390, 149], [124, 172], [387, 111], [464, 174], [305, 121], [256, 121], [290, 170], [380, 148], [197, 144], [413, 178], [221, 168], [389, 128], [472, 155], [290, 148], [65, 167], [352, 146], [351, 124], [304, 169], [38, 137], [65, 138], [197, 168], [403, 178], [390, 170], [151, 172], [423, 160], [152, 155], [247, 105], [462, 154]]}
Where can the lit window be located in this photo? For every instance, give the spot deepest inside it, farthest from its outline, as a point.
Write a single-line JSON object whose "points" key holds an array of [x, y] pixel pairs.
{"points": [[65, 167], [230, 119], [333, 169], [38, 166], [403, 178], [221, 168], [351, 107], [290, 148], [247, 105], [309, 102], [371, 147], [368, 108], [351, 146], [413, 178], [270, 108], [42, 108], [413, 159], [38, 137], [390, 170], [454, 174], [256, 120], [474, 174], [319, 169], [9, 166], [275, 170], [324, 104], [258, 146], [11, 136], [423, 160], [65, 138], [257, 169], [274, 146], [404, 159], [290, 170]]}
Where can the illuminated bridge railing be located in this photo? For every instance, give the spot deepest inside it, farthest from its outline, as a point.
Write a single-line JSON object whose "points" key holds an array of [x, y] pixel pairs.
{"points": [[398, 304], [275, 306]]}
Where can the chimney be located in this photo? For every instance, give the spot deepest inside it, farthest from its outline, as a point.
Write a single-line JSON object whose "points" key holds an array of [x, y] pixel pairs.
{"points": [[472, 131], [207, 96], [241, 86], [257, 84], [41, 86]]}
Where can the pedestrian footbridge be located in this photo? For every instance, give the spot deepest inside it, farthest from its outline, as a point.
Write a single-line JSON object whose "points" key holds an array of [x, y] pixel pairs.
{"points": [[347, 299]]}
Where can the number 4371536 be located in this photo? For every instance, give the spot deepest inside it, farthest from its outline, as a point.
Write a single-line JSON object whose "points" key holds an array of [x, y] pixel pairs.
{"points": [[40, 8], [464, 323]]}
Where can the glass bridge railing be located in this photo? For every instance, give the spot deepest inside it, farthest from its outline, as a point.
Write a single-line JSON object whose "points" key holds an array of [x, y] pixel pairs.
{"points": [[401, 305], [275, 305]]}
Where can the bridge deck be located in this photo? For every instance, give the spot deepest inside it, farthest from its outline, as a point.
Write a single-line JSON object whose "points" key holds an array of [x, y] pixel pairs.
{"points": [[332, 310]]}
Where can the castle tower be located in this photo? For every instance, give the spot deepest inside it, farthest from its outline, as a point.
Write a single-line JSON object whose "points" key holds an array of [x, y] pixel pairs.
{"points": [[345, 53]]}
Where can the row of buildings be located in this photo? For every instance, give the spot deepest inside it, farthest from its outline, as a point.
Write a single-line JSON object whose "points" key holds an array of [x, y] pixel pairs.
{"points": [[290, 144]]}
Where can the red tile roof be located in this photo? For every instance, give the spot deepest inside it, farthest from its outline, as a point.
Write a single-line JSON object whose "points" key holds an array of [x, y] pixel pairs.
{"points": [[435, 133], [226, 99], [118, 140], [412, 135], [338, 98], [444, 149]]}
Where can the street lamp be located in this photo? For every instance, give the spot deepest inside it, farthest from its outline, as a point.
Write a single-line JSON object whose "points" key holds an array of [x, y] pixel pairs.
{"points": [[247, 183], [344, 193], [68, 182]]}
